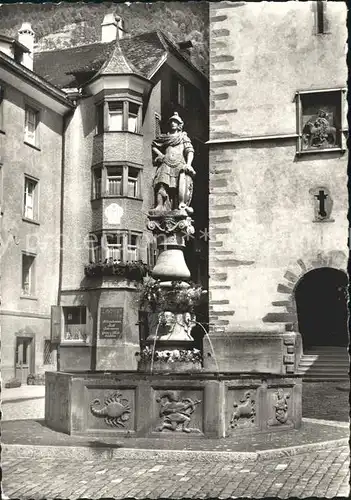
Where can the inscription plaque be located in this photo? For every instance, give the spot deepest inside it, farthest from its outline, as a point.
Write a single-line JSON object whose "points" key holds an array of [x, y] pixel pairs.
{"points": [[111, 322]]}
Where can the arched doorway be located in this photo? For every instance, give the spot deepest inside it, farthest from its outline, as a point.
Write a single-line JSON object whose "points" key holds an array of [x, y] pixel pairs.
{"points": [[321, 304]]}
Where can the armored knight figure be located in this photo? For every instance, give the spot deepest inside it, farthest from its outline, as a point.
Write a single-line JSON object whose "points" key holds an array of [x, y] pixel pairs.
{"points": [[173, 154]]}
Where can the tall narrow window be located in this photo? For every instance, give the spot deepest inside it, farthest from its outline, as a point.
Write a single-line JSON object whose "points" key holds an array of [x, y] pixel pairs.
{"points": [[1, 107], [97, 182], [99, 118], [133, 252], [30, 198], [133, 117], [181, 95], [157, 125], [115, 109], [114, 243], [28, 275], [95, 248], [114, 181], [48, 359], [31, 125], [133, 174], [320, 16]]}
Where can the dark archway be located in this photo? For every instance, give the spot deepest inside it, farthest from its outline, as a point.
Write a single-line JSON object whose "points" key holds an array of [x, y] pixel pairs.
{"points": [[321, 303]]}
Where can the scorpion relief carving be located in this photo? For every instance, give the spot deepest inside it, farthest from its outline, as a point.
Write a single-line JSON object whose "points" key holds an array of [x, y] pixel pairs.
{"points": [[116, 410], [244, 411]]}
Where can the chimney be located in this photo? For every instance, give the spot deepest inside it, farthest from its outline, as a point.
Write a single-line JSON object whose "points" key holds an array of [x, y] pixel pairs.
{"points": [[112, 28], [109, 28], [120, 25], [185, 47], [26, 37]]}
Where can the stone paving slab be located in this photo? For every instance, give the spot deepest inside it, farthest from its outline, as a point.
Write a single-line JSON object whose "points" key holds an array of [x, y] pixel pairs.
{"points": [[322, 474], [22, 393], [35, 432]]}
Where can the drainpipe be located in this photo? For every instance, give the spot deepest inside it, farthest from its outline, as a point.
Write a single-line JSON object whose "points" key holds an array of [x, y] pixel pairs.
{"points": [[63, 158]]}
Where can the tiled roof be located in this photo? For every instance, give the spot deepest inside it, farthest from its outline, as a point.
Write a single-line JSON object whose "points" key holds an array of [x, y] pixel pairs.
{"points": [[59, 67], [140, 54]]}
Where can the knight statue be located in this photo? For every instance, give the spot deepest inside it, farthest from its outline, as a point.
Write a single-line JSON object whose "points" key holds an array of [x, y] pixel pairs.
{"points": [[173, 154]]}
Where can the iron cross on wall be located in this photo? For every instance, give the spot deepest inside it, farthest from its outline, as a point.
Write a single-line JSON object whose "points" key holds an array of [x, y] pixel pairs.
{"points": [[321, 197], [323, 203]]}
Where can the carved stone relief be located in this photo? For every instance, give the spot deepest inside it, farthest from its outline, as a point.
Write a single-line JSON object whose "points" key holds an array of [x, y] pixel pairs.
{"points": [[244, 411], [176, 412], [116, 410], [280, 409]]}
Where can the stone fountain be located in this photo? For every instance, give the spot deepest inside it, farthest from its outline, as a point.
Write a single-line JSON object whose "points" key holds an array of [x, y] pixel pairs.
{"points": [[174, 392]]}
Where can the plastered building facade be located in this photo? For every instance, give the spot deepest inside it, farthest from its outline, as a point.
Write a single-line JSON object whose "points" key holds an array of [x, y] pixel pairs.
{"points": [[278, 187], [92, 170]]}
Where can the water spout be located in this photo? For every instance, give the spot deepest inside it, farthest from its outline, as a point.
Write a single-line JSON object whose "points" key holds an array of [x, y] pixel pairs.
{"points": [[210, 342], [154, 344]]}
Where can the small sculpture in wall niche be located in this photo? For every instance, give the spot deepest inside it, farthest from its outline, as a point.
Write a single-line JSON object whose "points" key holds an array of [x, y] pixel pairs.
{"points": [[323, 204], [280, 409], [318, 133], [244, 411]]}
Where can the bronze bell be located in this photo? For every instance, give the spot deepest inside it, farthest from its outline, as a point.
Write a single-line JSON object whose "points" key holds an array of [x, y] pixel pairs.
{"points": [[171, 265]]}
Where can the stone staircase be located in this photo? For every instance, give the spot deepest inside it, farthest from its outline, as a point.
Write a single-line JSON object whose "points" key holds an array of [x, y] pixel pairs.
{"points": [[325, 363]]}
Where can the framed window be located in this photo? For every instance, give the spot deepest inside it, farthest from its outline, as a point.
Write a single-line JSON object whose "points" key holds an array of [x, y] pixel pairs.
{"points": [[28, 274], [114, 181], [133, 177], [100, 118], [115, 112], [31, 125], [118, 116], [133, 111], [75, 319], [181, 94], [47, 353], [114, 246], [2, 94], [97, 180], [322, 26], [30, 206], [133, 247], [157, 125], [320, 120]]}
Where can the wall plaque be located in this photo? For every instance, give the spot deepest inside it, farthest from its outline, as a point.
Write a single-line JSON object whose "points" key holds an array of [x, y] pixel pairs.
{"points": [[111, 322]]}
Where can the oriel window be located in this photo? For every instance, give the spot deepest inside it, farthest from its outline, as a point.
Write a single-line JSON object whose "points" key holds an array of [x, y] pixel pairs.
{"points": [[114, 247], [115, 116], [133, 174], [133, 251], [114, 181]]}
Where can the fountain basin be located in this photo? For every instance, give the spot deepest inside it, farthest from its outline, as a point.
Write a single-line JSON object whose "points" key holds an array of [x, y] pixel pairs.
{"points": [[163, 404]]}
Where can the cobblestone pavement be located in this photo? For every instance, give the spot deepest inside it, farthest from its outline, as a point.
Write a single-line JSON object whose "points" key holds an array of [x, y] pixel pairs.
{"points": [[321, 474]]}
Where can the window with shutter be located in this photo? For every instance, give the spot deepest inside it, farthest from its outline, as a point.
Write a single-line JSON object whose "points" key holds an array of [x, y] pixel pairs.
{"points": [[30, 199], [31, 125], [28, 282]]}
